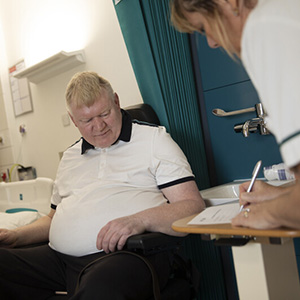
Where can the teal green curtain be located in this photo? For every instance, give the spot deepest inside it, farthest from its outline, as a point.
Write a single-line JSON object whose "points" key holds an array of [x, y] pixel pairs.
{"points": [[162, 63]]}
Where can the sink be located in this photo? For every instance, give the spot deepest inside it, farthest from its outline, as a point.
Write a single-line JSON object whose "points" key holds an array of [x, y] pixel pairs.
{"points": [[229, 192], [221, 194]]}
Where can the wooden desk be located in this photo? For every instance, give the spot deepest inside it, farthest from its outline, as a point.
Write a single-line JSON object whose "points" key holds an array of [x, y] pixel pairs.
{"points": [[264, 270]]}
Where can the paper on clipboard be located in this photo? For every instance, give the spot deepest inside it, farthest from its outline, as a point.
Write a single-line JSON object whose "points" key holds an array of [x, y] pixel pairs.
{"points": [[221, 214]]}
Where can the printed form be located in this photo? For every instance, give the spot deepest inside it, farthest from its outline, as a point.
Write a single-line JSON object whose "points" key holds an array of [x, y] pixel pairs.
{"points": [[221, 214]]}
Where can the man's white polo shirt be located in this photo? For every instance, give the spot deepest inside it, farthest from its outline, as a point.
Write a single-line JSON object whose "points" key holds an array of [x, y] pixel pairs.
{"points": [[94, 186]]}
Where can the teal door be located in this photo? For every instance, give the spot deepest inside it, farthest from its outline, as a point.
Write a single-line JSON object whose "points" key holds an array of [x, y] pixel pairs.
{"points": [[226, 85]]}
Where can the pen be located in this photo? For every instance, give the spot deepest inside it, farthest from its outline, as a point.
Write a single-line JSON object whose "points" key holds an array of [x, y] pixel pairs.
{"points": [[254, 175]]}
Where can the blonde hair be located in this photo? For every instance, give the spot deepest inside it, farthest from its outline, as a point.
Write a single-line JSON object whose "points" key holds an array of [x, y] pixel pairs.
{"points": [[85, 87], [211, 10]]}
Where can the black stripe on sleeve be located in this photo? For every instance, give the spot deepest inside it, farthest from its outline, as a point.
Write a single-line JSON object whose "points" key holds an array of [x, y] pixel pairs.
{"points": [[53, 206], [175, 182]]}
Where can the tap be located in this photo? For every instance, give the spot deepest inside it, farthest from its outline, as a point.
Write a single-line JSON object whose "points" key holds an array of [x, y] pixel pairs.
{"points": [[251, 125], [254, 124]]}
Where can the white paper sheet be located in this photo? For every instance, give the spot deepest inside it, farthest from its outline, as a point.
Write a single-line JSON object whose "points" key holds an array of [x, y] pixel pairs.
{"points": [[221, 214]]}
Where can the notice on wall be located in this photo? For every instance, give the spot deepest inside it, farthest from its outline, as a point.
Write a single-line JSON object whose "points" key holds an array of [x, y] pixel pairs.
{"points": [[20, 90]]}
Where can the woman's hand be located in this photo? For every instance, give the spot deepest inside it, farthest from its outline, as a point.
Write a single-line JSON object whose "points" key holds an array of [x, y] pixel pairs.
{"points": [[257, 216], [261, 191], [269, 207]]}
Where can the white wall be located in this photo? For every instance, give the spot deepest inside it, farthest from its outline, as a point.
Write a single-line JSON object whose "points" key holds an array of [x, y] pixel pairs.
{"points": [[36, 29]]}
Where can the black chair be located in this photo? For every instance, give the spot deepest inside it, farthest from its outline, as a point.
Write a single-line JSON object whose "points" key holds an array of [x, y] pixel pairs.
{"points": [[184, 281], [143, 112]]}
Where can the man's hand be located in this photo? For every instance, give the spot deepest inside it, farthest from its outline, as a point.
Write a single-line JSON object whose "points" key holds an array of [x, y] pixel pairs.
{"points": [[184, 200], [8, 238], [114, 234]]}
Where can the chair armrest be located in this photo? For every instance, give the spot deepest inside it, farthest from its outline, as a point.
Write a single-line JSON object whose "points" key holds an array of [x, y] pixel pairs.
{"points": [[153, 242]]}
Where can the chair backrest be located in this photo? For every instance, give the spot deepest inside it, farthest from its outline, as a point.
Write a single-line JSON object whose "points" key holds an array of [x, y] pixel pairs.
{"points": [[143, 112]]}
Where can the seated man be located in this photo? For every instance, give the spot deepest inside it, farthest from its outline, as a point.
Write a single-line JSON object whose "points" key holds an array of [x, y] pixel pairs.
{"points": [[120, 179]]}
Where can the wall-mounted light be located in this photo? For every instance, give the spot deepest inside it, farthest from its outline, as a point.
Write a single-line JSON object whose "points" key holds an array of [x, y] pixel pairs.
{"points": [[52, 66]]}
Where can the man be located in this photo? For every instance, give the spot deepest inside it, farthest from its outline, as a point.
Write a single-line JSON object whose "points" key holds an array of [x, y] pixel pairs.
{"points": [[122, 178]]}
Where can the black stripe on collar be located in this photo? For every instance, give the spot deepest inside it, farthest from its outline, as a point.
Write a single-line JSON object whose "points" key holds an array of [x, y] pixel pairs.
{"points": [[85, 146], [125, 134]]}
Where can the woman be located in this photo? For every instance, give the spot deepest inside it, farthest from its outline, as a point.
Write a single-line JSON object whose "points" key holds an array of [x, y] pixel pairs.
{"points": [[265, 35]]}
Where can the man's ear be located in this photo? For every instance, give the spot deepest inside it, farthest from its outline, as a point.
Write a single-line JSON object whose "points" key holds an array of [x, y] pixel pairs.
{"points": [[117, 101], [71, 117]]}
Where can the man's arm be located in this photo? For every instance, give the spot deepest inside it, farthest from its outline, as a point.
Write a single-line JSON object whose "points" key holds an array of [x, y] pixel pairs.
{"points": [[184, 200], [36, 232]]}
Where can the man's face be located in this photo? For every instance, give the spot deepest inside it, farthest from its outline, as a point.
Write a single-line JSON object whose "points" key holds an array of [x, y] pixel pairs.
{"points": [[101, 123]]}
